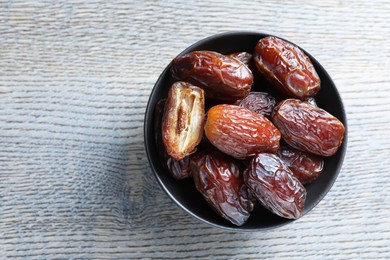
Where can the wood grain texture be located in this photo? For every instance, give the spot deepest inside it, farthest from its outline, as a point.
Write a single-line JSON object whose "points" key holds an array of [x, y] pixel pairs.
{"points": [[75, 78]]}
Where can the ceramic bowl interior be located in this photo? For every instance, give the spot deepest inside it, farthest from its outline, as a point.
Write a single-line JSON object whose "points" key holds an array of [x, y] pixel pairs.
{"points": [[184, 193]]}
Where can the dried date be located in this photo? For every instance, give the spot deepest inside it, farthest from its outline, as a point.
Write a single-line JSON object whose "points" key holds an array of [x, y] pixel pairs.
{"points": [[183, 119], [179, 169], [274, 185], [287, 67], [244, 57], [247, 59], [219, 179], [308, 128], [240, 132], [260, 102], [305, 166], [221, 77]]}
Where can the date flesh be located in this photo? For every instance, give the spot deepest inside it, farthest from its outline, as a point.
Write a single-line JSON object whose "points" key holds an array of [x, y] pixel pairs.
{"points": [[305, 166], [183, 119], [287, 67], [274, 185], [240, 132], [260, 102], [221, 77], [308, 128], [178, 169], [219, 179]]}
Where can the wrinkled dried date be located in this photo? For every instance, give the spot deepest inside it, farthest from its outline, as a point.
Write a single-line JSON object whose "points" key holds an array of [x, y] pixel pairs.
{"points": [[240, 132], [247, 59], [221, 77], [244, 57], [260, 102], [179, 169], [308, 128], [274, 185], [183, 119], [219, 179], [305, 166], [287, 67]]}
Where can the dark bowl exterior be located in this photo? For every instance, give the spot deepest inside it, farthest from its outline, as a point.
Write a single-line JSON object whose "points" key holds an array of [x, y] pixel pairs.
{"points": [[184, 193]]}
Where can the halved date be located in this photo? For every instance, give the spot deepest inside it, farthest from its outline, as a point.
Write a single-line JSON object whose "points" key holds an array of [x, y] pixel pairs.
{"points": [[240, 132], [221, 77], [287, 67], [219, 179], [305, 166], [274, 185], [178, 169], [183, 119], [308, 128]]}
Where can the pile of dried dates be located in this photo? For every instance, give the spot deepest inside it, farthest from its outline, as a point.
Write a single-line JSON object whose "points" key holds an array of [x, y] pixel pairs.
{"points": [[243, 147]]}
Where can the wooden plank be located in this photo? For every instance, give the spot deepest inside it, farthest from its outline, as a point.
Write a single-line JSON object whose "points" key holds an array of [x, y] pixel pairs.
{"points": [[74, 82]]}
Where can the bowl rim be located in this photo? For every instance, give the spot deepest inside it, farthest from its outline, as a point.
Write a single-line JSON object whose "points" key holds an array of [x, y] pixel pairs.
{"points": [[149, 110]]}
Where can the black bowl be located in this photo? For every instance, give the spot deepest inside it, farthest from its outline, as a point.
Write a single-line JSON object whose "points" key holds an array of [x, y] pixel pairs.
{"points": [[184, 193]]}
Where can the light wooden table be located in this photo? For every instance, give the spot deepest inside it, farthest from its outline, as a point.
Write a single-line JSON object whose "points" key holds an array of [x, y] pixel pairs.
{"points": [[75, 77]]}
